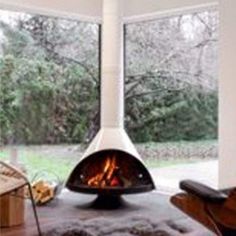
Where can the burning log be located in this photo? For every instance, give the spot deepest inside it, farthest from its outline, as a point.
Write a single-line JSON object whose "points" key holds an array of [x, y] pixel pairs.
{"points": [[111, 176]]}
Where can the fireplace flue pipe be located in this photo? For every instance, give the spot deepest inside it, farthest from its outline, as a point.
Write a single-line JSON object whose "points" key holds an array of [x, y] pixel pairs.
{"points": [[112, 134], [112, 81]]}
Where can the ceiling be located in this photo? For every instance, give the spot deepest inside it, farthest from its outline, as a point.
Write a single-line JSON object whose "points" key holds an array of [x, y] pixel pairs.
{"points": [[91, 10]]}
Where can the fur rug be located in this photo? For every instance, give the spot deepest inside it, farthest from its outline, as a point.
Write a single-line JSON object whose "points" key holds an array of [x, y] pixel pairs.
{"points": [[127, 226]]}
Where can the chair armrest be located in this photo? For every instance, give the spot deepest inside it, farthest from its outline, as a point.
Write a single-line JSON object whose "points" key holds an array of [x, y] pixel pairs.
{"points": [[15, 170], [202, 191]]}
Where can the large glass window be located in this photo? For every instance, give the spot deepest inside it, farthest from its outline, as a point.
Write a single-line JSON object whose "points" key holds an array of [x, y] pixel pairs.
{"points": [[171, 87], [49, 74]]}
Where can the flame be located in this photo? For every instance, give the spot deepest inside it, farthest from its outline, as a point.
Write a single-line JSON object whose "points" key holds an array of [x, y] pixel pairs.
{"points": [[108, 175]]}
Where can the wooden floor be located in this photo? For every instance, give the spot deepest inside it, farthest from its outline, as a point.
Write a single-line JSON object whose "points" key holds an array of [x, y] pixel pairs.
{"points": [[50, 214], [77, 206], [29, 228]]}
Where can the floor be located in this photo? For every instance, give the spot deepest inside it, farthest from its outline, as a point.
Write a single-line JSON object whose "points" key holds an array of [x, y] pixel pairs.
{"points": [[167, 178], [78, 206]]}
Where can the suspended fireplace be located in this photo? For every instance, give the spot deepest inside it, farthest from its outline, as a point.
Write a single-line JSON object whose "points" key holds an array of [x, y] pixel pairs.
{"points": [[111, 166]]}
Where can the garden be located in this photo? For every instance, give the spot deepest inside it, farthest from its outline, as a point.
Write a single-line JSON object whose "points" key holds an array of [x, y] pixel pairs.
{"points": [[50, 89]]}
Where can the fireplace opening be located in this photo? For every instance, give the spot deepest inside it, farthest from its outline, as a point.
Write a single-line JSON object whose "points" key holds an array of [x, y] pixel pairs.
{"points": [[113, 172]]}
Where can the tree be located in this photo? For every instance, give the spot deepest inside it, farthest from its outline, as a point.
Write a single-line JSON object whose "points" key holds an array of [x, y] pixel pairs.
{"points": [[50, 79], [171, 78]]}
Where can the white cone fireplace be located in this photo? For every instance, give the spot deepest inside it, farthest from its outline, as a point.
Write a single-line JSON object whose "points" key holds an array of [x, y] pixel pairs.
{"points": [[111, 165]]}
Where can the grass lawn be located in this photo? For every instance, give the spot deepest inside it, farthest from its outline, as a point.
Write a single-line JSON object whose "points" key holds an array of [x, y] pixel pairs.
{"points": [[56, 162], [41, 165]]}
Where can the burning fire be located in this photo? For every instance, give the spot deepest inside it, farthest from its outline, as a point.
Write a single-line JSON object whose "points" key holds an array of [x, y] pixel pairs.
{"points": [[110, 175]]}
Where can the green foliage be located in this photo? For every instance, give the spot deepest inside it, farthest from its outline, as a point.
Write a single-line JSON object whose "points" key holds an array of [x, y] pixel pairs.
{"points": [[41, 106], [185, 115], [50, 87], [47, 95], [7, 95]]}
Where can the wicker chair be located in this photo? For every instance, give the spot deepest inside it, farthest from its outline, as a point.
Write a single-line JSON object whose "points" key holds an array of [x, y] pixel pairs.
{"points": [[215, 209], [12, 179]]}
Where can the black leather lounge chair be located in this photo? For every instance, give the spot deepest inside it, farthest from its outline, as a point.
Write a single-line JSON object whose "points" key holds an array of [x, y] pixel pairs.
{"points": [[216, 210]]}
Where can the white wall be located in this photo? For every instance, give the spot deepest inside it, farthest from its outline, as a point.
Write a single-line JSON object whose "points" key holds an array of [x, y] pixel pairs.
{"points": [[88, 10], [91, 10], [138, 10], [227, 94]]}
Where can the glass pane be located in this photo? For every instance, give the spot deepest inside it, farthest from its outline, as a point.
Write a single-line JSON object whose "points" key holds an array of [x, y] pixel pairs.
{"points": [[49, 89], [171, 88]]}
